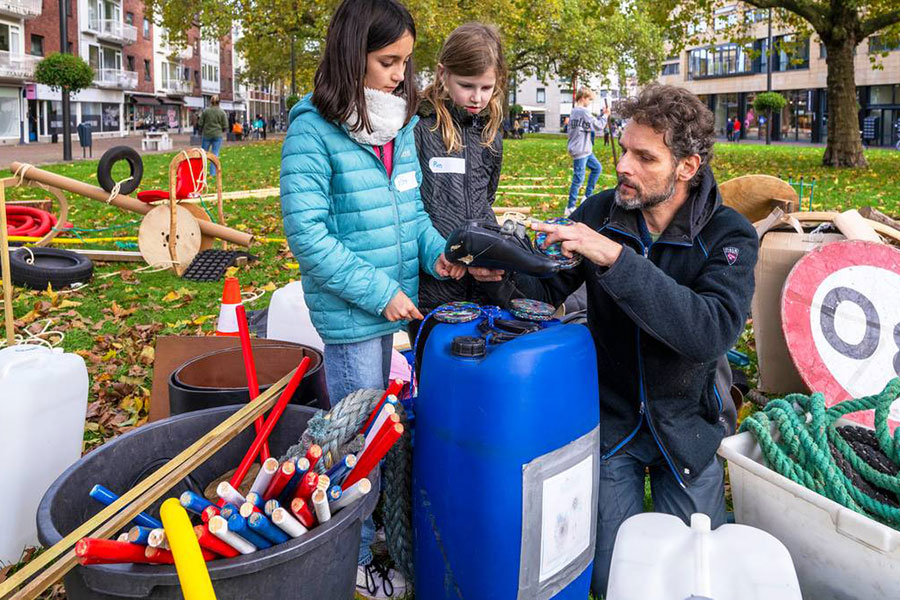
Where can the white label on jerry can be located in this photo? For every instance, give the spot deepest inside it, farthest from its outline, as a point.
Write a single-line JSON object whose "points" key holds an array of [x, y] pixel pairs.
{"points": [[566, 516]]}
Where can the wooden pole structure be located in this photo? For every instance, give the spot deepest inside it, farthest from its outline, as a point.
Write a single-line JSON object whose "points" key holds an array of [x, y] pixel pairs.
{"points": [[121, 201], [612, 139], [115, 516], [7, 273]]}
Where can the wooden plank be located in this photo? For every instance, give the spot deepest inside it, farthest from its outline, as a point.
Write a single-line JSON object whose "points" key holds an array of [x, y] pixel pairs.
{"points": [[499, 210], [874, 214], [110, 255], [826, 216], [115, 516]]}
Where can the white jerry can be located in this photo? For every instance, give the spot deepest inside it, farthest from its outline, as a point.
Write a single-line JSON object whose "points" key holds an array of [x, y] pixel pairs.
{"points": [[288, 317], [43, 400], [657, 556]]}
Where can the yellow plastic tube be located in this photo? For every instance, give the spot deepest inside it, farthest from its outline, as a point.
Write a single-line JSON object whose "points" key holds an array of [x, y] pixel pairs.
{"points": [[189, 563]]}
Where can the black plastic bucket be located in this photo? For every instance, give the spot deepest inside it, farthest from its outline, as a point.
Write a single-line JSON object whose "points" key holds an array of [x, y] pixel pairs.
{"points": [[320, 565], [219, 379]]}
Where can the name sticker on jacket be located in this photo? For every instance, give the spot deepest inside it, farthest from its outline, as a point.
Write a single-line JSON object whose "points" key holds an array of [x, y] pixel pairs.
{"points": [[446, 164], [406, 181]]}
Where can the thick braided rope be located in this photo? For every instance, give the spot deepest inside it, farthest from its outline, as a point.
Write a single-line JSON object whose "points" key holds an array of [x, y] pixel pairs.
{"points": [[396, 477], [803, 454]]}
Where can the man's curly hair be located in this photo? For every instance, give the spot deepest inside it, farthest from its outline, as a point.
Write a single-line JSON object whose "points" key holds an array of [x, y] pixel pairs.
{"points": [[687, 125]]}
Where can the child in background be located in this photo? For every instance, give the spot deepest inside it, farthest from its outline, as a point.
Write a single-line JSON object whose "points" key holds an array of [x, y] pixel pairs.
{"points": [[460, 148], [582, 124], [350, 200]]}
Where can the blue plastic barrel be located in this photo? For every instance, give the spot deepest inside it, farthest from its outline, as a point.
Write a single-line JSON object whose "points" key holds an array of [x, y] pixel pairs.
{"points": [[505, 465]]}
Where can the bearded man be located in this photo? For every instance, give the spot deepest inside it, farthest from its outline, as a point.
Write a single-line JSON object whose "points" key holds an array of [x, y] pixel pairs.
{"points": [[669, 277]]}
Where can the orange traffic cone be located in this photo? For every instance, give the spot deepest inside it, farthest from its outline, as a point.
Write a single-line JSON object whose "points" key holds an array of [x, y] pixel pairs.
{"points": [[231, 298]]}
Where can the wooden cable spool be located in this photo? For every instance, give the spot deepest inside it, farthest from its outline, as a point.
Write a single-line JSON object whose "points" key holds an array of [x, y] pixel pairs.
{"points": [[754, 196]]}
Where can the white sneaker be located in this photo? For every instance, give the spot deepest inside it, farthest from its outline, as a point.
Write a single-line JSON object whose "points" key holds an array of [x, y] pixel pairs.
{"points": [[372, 581]]}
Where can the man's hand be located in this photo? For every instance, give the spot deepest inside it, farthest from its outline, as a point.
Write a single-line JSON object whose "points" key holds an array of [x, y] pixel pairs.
{"points": [[401, 308], [486, 275], [445, 268], [581, 239]]}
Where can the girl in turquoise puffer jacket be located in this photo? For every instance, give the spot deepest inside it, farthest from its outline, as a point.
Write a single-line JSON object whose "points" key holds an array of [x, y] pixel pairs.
{"points": [[350, 199]]}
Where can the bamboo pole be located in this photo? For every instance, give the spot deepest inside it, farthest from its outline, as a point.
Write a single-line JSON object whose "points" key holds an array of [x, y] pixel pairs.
{"points": [[115, 516], [7, 273], [122, 201]]}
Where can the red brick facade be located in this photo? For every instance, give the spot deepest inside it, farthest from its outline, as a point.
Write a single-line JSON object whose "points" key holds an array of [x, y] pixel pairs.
{"points": [[47, 25], [193, 63], [142, 49], [226, 85]]}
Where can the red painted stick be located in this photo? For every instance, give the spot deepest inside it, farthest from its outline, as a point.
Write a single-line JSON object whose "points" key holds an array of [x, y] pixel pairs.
{"points": [[260, 443], [250, 367], [161, 556], [313, 455], [281, 479], [96, 551], [208, 513], [307, 486], [393, 389], [212, 543], [374, 453], [301, 510]]}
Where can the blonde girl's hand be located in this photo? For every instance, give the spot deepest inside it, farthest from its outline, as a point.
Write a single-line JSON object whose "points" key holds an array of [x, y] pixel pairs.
{"points": [[401, 308], [445, 268]]}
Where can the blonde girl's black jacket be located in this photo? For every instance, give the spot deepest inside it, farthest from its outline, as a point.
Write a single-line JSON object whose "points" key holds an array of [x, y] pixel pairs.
{"points": [[450, 196], [662, 318]]}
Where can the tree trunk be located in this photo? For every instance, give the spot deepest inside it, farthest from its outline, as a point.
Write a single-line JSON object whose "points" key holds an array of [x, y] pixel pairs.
{"points": [[844, 147]]}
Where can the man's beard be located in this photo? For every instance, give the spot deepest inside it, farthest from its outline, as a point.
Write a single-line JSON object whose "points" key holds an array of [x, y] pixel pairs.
{"points": [[640, 200]]}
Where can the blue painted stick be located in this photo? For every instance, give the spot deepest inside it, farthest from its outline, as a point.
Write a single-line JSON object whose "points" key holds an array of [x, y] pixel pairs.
{"points": [[139, 535], [238, 524], [270, 507], [261, 525], [106, 497], [194, 502]]}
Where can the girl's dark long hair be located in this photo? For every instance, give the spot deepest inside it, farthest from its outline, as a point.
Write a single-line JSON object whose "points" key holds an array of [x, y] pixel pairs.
{"points": [[357, 28]]}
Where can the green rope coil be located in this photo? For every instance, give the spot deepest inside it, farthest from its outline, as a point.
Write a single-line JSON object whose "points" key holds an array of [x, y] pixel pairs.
{"points": [[807, 432]]}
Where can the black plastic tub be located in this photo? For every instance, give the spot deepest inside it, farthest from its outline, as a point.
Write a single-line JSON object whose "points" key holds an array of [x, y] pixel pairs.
{"points": [[219, 379], [320, 565]]}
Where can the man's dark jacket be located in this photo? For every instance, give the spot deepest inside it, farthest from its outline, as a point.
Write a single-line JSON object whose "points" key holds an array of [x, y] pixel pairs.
{"points": [[452, 198], [662, 318]]}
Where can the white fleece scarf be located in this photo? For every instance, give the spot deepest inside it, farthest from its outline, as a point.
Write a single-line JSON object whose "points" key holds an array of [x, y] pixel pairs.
{"points": [[387, 113]]}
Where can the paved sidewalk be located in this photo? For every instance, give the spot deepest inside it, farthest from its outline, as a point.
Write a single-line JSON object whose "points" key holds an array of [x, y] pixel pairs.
{"points": [[46, 153]]}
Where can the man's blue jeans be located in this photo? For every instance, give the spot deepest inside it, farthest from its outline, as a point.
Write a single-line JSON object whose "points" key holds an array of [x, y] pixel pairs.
{"points": [[578, 166], [351, 367], [622, 496], [213, 145]]}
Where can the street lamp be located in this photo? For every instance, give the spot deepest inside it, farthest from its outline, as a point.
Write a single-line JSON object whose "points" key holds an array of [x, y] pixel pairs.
{"points": [[66, 112]]}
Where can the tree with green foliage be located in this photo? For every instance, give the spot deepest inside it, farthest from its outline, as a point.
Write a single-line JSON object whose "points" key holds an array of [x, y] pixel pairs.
{"points": [[841, 25], [769, 103], [65, 72]]}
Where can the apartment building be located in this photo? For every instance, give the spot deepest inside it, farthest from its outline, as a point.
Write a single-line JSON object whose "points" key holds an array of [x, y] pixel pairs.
{"points": [[141, 80], [728, 76], [549, 102]]}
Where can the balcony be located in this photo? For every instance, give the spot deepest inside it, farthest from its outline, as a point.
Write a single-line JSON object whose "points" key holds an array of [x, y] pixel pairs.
{"points": [[173, 52], [23, 9], [115, 79], [178, 87], [112, 31], [210, 87], [17, 66]]}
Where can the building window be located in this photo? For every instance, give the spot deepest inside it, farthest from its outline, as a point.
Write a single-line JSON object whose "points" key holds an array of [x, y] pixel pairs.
{"points": [[671, 69], [877, 44], [69, 47], [147, 71], [187, 73], [146, 28], [129, 60], [541, 96], [792, 55], [720, 61], [37, 45], [129, 18]]}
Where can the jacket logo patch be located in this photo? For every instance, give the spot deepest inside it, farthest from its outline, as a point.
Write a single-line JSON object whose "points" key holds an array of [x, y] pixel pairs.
{"points": [[731, 254]]}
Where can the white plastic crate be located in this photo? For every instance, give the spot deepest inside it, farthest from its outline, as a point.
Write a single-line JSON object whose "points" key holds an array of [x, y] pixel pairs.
{"points": [[838, 553]]}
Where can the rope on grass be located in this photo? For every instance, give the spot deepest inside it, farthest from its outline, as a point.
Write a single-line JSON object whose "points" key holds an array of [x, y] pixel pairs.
{"points": [[808, 433]]}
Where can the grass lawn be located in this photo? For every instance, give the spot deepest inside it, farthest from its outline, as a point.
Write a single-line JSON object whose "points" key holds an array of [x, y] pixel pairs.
{"points": [[113, 321]]}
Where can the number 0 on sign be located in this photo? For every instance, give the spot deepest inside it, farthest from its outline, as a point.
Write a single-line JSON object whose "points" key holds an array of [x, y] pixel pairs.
{"points": [[840, 313]]}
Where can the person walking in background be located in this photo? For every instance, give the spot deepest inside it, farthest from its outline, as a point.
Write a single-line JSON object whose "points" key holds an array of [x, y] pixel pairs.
{"points": [[212, 124], [729, 129], [737, 130], [581, 148]]}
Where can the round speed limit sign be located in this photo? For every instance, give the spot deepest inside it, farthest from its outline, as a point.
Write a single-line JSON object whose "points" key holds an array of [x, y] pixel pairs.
{"points": [[840, 312]]}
